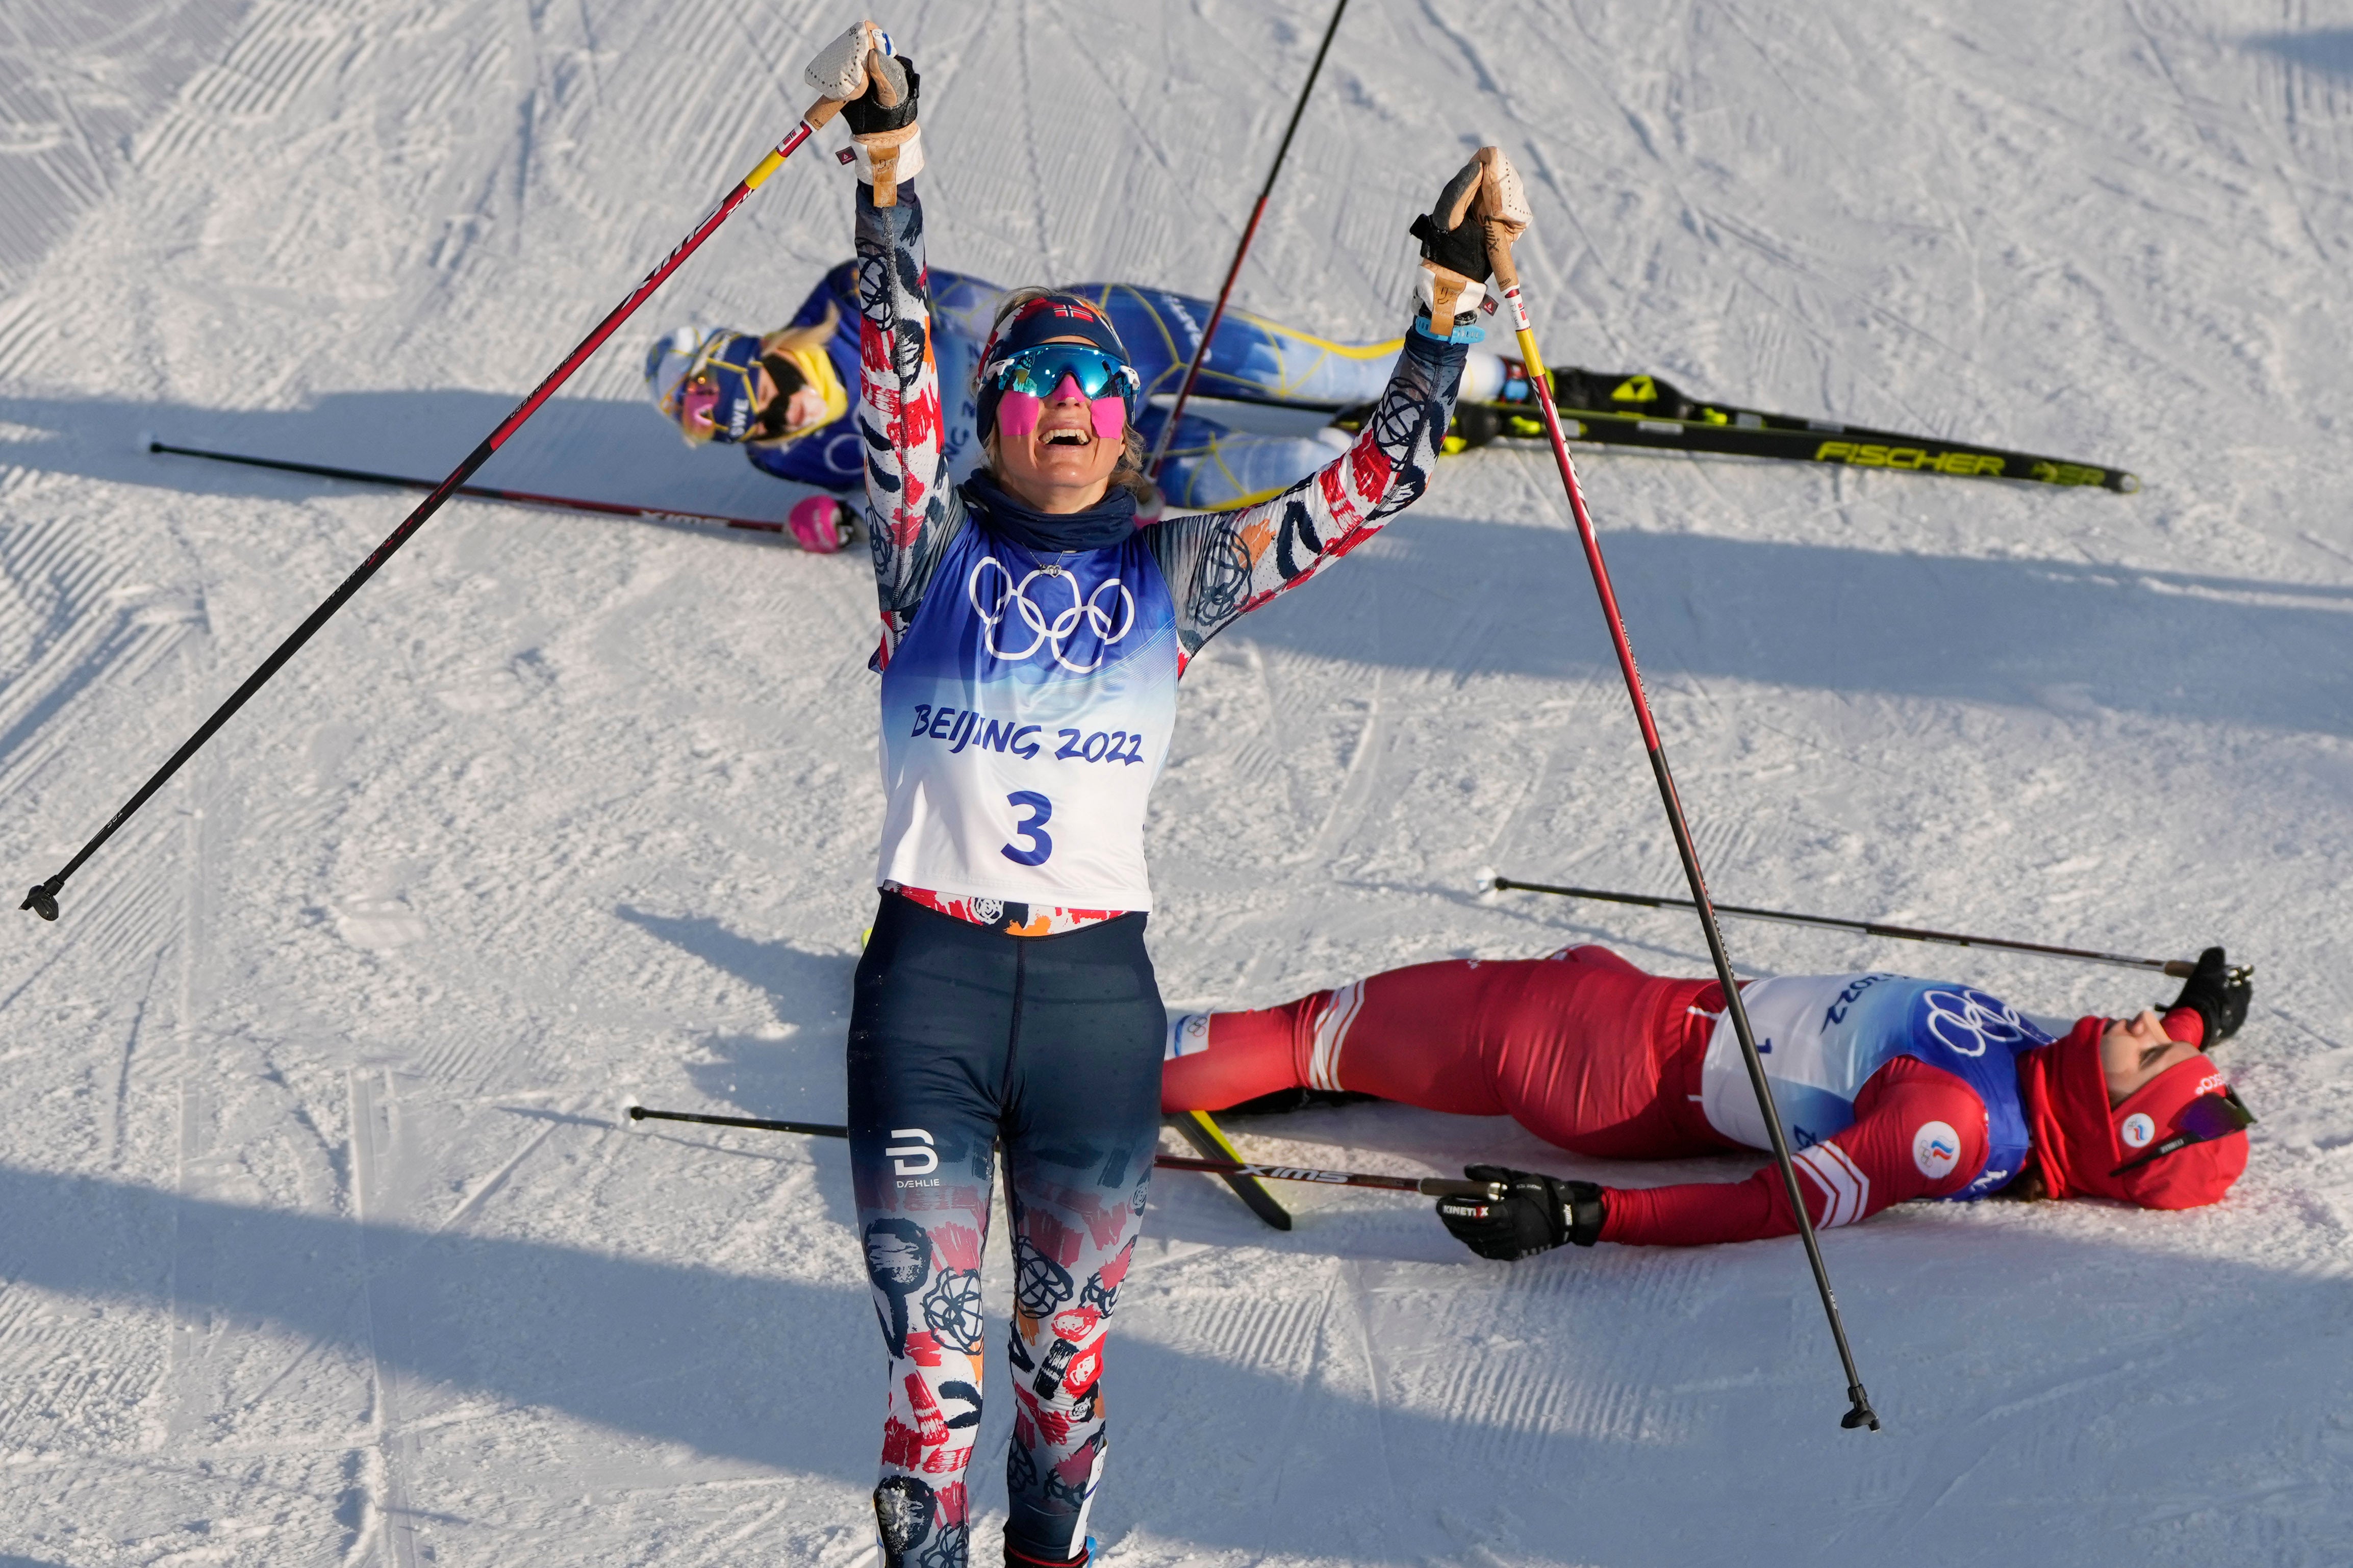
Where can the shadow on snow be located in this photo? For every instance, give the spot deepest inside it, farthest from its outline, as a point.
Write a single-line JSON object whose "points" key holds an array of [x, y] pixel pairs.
{"points": [[1259, 1419], [1437, 593]]}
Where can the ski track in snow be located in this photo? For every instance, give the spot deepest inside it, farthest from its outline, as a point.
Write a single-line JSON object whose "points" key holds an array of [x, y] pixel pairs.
{"points": [[325, 1245]]}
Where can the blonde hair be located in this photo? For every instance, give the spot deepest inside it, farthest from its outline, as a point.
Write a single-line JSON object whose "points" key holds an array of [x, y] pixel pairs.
{"points": [[797, 339], [1127, 474]]}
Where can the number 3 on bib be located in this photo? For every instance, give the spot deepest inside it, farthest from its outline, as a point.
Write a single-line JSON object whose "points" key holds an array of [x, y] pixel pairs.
{"points": [[1032, 828]]}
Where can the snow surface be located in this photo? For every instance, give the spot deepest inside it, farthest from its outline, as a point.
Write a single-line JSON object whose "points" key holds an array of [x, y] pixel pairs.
{"points": [[322, 1242]]}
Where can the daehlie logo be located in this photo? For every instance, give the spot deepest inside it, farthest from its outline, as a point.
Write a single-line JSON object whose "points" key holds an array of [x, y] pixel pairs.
{"points": [[914, 1159]]}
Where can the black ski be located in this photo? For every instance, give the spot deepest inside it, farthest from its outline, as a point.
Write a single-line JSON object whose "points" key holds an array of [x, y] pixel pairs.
{"points": [[1639, 410]]}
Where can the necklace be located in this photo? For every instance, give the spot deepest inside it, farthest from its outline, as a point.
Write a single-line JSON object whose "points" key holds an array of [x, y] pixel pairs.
{"points": [[1045, 568]]}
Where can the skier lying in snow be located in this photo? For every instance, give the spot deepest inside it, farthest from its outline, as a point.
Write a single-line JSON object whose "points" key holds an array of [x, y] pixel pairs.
{"points": [[782, 397], [1889, 1089], [1033, 635]]}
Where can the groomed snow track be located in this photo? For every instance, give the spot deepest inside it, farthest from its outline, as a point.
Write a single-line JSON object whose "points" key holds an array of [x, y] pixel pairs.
{"points": [[322, 1243]]}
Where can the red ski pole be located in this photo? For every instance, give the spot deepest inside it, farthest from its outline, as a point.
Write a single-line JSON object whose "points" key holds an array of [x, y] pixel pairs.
{"points": [[42, 898], [1250, 233], [1499, 252]]}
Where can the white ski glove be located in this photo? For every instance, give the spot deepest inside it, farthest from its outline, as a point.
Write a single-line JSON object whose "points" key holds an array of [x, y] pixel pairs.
{"points": [[886, 143], [839, 72], [1502, 202], [1481, 207]]}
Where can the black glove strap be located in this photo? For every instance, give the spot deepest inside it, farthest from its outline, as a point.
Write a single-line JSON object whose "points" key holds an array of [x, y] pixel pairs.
{"points": [[864, 116], [1463, 250]]}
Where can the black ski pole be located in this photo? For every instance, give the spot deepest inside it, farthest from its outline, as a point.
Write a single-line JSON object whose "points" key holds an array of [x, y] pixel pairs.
{"points": [[42, 898], [2179, 968], [478, 493], [1499, 250], [1427, 1186], [1250, 233]]}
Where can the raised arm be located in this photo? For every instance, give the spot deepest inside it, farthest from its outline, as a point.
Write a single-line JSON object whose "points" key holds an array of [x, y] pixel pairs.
{"points": [[912, 510], [1225, 565]]}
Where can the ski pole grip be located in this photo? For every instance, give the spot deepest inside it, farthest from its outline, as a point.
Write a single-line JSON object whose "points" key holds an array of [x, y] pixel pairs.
{"points": [[1454, 1187], [1499, 256]]}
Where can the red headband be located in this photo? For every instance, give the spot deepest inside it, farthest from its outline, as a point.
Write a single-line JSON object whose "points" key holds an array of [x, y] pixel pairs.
{"points": [[2079, 1138]]}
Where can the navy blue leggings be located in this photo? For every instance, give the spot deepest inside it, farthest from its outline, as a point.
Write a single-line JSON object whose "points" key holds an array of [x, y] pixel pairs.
{"points": [[961, 1039]]}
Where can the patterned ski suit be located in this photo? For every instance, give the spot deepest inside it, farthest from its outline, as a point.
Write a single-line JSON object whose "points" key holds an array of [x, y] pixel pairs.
{"points": [[1026, 711]]}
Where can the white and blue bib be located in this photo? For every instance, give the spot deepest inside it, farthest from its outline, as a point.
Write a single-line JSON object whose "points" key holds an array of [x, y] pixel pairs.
{"points": [[1822, 1036], [1025, 715]]}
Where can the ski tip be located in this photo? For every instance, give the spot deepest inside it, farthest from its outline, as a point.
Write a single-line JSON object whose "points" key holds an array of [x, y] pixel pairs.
{"points": [[1259, 1201]]}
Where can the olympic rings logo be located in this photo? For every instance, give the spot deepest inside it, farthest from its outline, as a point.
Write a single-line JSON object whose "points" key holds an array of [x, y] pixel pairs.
{"points": [[1969, 1021], [1110, 624]]}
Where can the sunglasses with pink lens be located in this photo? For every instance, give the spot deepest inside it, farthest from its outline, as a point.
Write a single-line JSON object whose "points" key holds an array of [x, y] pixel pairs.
{"points": [[697, 400]]}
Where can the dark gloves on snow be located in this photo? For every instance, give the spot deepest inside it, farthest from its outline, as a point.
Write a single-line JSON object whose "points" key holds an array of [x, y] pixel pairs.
{"points": [[1536, 1214], [2219, 993]]}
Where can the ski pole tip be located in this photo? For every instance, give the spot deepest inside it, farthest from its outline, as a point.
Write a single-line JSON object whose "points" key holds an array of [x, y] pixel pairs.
{"points": [[1862, 1415], [42, 901], [2128, 484], [631, 1112]]}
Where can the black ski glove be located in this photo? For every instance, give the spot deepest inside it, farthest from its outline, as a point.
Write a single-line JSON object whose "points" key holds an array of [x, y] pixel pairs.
{"points": [[1463, 248], [2219, 993], [867, 117], [1537, 1214]]}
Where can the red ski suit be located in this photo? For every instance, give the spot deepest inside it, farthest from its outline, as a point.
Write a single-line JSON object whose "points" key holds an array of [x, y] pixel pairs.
{"points": [[1587, 1052]]}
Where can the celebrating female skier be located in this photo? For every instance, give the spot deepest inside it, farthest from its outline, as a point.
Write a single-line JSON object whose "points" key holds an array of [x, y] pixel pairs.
{"points": [[1032, 638], [1891, 1089]]}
